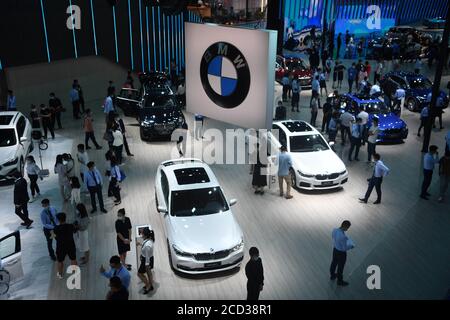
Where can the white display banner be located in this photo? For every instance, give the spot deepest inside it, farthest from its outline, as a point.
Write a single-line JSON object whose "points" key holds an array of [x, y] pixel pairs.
{"points": [[230, 74]]}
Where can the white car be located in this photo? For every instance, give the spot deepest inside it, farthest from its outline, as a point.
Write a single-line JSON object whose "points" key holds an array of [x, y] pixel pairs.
{"points": [[15, 142], [202, 233], [315, 166]]}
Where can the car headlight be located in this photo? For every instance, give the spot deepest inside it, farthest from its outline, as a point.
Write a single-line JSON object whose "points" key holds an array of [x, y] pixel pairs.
{"points": [[181, 253], [11, 162], [147, 123], [239, 246], [305, 175], [343, 172]]}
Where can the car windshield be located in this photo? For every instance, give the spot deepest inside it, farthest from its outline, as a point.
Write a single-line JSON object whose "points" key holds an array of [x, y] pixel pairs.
{"points": [[198, 202], [295, 64], [420, 83], [160, 101], [307, 143], [375, 107], [7, 137]]}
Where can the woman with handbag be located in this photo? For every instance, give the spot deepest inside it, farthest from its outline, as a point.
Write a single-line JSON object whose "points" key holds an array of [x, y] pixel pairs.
{"points": [[82, 225], [33, 171], [117, 143]]}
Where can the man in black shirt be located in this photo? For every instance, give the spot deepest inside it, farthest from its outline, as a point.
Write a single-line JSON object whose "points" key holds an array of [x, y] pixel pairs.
{"points": [[46, 117], [118, 291], [21, 199], [56, 105], [65, 245], [255, 275]]}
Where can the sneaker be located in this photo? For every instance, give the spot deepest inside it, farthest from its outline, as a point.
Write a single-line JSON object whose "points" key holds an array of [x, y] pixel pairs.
{"points": [[31, 200], [104, 211], [362, 200], [29, 224], [59, 276], [88, 148], [333, 277], [289, 197]]}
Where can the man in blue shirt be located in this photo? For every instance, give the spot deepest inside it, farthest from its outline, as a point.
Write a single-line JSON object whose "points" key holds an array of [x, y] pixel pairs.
{"points": [[284, 162], [351, 77], [355, 139], [341, 244], [109, 104], [429, 161], [93, 181], [11, 101], [117, 270], [424, 114], [75, 99], [286, 84], [49, 222], [295, 94], [376, 180]]}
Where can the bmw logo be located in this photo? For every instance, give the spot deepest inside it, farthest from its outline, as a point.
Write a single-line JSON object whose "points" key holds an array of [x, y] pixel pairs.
{"points": [[225, 75]]}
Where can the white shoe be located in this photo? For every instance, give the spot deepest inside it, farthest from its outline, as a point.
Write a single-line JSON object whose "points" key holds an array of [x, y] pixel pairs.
{"points": [[59, 276], [31, 200]]}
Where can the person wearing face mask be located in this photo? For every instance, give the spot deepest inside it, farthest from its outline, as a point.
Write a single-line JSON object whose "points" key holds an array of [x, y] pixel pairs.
{"points": [[255, 275], [63, 180], [33, 171], [57, 107], [117, 270], [147, 260], [123, 230], [46, 116], [94, 182], [49, 222]]}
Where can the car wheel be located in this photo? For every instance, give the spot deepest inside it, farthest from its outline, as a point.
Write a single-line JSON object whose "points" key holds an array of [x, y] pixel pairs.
{"points": [[169, 254], [293, 178], [411, 104]]}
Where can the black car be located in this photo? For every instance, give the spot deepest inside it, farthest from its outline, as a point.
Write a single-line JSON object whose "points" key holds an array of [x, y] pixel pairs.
{"points": [[159, 116], [403, 32], [383, 48]]}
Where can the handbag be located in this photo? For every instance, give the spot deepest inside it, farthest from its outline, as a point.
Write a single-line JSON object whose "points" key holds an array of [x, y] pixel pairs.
{"points": [[108, 136]]}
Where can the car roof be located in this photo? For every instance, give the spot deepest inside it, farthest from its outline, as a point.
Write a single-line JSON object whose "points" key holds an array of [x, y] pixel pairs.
{"points": [[296, 127], [8, 118], [188, 174], [405, 74]]}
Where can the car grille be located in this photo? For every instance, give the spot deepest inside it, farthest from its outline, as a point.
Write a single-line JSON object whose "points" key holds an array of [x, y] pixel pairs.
{"points": [[212, 256], [305, 82], [327, 176], [393, 131], [165, 126]]}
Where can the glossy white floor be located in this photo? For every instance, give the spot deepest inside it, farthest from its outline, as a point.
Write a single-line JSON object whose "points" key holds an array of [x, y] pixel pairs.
{"points": [[406, 236]]}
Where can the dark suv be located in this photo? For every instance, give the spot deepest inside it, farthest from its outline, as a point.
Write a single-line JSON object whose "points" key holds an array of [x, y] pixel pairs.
{"points": [[416, 86]]}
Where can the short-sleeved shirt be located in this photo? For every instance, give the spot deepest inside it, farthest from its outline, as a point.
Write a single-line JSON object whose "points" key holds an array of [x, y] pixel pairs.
{"points": [[124, 227], [64, 235]]}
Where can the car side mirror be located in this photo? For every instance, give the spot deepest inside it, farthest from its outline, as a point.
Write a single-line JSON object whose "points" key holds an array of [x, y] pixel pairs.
{"points": [[23, 139], [162, 209], [233, 202]]}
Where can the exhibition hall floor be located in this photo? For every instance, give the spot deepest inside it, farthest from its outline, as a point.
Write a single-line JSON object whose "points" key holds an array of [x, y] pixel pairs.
{"points": [[407, 237]]}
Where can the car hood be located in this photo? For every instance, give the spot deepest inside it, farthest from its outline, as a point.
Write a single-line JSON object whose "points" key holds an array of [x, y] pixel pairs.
{"points": [[200, 234], [302, 73], [318, 162], [388, 121], [160, 114], [7, 154]]}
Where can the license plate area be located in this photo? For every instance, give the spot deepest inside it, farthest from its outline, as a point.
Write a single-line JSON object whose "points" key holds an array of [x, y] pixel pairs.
{"points": [[212, 264], [327, 183]]}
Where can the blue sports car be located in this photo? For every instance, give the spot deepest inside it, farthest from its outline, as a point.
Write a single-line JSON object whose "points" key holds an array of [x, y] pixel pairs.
{"points": [[416, 86], [392, 128]]}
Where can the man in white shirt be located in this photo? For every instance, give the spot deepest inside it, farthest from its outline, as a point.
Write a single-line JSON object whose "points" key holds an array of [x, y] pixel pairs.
{"points": [[376, 180], [346, 121], [364, 116], [378, 72], [375, 90], [341, 244], [399, 97]]}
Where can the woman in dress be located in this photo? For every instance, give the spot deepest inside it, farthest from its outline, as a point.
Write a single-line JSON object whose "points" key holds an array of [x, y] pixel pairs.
{"points": [[123, 230], [82, 225], [147, 260], [63, 181]]}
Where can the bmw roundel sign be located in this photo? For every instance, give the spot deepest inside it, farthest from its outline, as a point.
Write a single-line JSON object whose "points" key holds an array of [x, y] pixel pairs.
{"points": [[225, 75]]}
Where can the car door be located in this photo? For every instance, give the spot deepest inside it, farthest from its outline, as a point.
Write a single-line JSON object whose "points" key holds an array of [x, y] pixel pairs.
{"points": [[128, 100], [23, 140], [11, 256]]}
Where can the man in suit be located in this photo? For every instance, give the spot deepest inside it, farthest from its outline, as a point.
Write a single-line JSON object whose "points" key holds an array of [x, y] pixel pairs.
{"points": [[255, 275], [21, 199]]}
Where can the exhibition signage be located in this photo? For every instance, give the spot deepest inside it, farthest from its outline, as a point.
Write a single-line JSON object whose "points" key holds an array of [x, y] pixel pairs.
{"points": [[230, 74]]}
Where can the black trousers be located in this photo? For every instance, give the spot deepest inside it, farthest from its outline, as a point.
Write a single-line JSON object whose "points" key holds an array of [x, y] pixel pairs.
{"points": [[350, 85], [90, 135], [47, 233], [427, 178], [56, 118], [125, 144], [439, 116], [48, 126], [355, 144], [325, 121], [253, 292], [371, 149], [285, 92], [33, 184], [423, 122], [338, 261], [374, 182], [345, 131], [22, 212], [93, 191], [76, 109], [313, 118], [82, 104], [295, 100], [376, 78]]}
